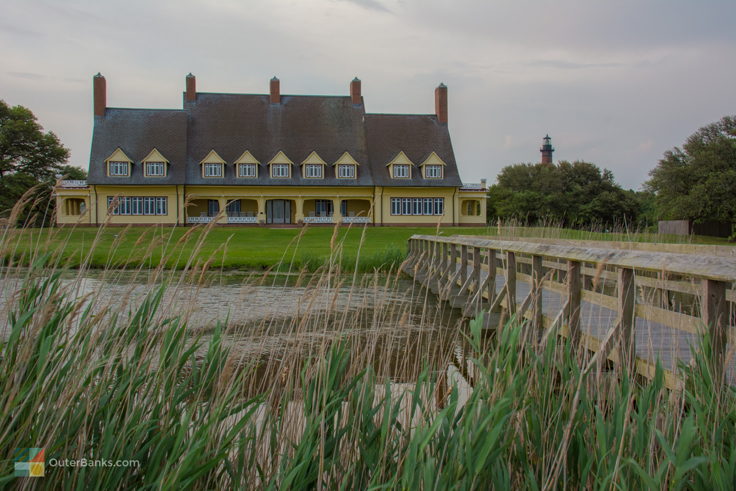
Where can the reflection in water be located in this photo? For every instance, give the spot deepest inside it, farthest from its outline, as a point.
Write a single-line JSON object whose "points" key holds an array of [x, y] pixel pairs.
{"points": [[272, 323]]}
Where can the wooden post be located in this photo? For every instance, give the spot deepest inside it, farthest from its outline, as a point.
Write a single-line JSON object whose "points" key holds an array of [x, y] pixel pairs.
{"points": [[443, 255], [511, 281], [491, 283], [476, 271], [715, 317], [574, 295], [463, 263], [536, 292], [627, 321], [453, 260]]}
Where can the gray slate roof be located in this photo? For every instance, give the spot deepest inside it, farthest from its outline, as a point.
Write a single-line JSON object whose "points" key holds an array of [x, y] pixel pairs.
{"points": [[233, 123], [137, 132]]}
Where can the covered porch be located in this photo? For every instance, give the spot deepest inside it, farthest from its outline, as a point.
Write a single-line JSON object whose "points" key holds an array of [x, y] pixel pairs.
{"points": [[337, 210], [274, 210], [223, 210]]}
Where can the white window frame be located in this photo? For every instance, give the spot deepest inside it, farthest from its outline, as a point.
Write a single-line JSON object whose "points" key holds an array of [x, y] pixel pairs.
{"points": [[251, 170], [139, 205], [115, 168], [209, 167], [433, 171], [277, 171], [346, 171], [417, 206], [159, 167], [405, 174], [313, 171]]}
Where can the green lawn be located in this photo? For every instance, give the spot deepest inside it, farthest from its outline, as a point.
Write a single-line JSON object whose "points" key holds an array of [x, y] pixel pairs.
{"points": [[256, 248], [230, 248]]}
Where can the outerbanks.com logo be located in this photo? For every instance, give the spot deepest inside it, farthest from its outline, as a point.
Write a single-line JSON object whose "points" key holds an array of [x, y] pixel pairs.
{"points": [[30, 462]]}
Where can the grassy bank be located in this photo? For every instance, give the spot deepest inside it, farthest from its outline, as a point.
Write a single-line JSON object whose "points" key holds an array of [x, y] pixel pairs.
{"points": [[229, 248], [126, 380], [262, 248]]}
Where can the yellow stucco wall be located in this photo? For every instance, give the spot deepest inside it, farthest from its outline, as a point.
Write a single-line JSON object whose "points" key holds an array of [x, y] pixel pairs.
{"points": [[253, 198], [63, 194], [174, 209], [384, 195], [479, 199]]}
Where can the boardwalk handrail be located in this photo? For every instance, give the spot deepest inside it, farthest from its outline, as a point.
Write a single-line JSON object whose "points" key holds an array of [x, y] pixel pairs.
{"points": [[619, 280], [708, 267]]}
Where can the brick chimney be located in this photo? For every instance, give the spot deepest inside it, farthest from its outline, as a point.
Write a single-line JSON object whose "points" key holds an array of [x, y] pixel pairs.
{"points": [[440, 103], [99, 88], [355, 96], [275, 91], [191, 93]]}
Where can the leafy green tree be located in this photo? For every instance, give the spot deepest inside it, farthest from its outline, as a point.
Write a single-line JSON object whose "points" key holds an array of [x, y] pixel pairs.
{"points": [[570, 194], [29, 159], [698, 181]]}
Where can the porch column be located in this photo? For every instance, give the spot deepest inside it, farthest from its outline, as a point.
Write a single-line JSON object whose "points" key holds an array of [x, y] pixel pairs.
{"points": [[223, 210], [299, 217], [261, 210], [336, 210]]}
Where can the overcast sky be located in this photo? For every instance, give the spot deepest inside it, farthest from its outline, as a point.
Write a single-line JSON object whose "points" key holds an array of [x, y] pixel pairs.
{"points": [[616, 83]]}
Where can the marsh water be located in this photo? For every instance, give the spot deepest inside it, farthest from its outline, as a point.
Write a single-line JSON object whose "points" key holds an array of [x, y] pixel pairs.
{"points": [[393, 323]]}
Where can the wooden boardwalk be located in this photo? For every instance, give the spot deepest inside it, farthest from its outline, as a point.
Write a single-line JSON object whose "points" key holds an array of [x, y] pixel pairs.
{"points": [[636, 307]]}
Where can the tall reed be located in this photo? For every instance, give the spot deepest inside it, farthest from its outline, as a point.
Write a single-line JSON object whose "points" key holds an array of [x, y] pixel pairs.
{"points": [[359, 388]]}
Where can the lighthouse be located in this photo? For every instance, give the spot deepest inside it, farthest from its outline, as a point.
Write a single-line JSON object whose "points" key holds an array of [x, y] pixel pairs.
{"points": [[547, 150]]}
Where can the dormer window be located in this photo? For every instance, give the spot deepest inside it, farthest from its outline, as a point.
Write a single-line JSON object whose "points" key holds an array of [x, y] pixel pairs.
{"points": [[280, 166], [118, 164], [155, 169], [401, 171], [213, 165], [400, 166], [247, 170], [247, 166], [280, 170], [313, 167], [346, 171], [347, 166], [433, 172], [433, 167], [212, 170], [154, 165], [118, 169], [313, 171]]}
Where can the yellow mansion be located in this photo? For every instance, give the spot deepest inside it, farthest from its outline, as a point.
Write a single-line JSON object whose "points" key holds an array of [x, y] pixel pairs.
{"points": [[271, 159]]}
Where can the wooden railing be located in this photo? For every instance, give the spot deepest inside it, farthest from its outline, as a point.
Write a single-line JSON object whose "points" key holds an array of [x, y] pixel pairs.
{"points": [[667, 292]]}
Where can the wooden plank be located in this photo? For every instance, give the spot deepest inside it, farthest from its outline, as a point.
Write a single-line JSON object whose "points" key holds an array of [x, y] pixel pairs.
{"points": [[669, 285], [606, 301], [675, 320], [526, 278], [555, 286]]}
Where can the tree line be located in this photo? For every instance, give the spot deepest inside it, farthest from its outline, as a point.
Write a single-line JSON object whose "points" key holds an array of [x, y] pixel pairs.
{"points": [[695, 182], [30, 161]]}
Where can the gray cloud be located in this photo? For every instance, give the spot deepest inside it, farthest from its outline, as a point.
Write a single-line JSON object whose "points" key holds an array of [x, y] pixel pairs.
{"points": [[27, 76], [369, 4], [615, 83]]}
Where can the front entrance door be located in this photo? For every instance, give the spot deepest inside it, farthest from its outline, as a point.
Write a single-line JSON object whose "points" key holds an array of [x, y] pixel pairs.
{"points": [[278, 211]]}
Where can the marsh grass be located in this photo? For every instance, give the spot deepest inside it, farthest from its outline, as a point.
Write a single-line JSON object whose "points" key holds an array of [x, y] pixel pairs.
{"points": [[359, 389]]}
